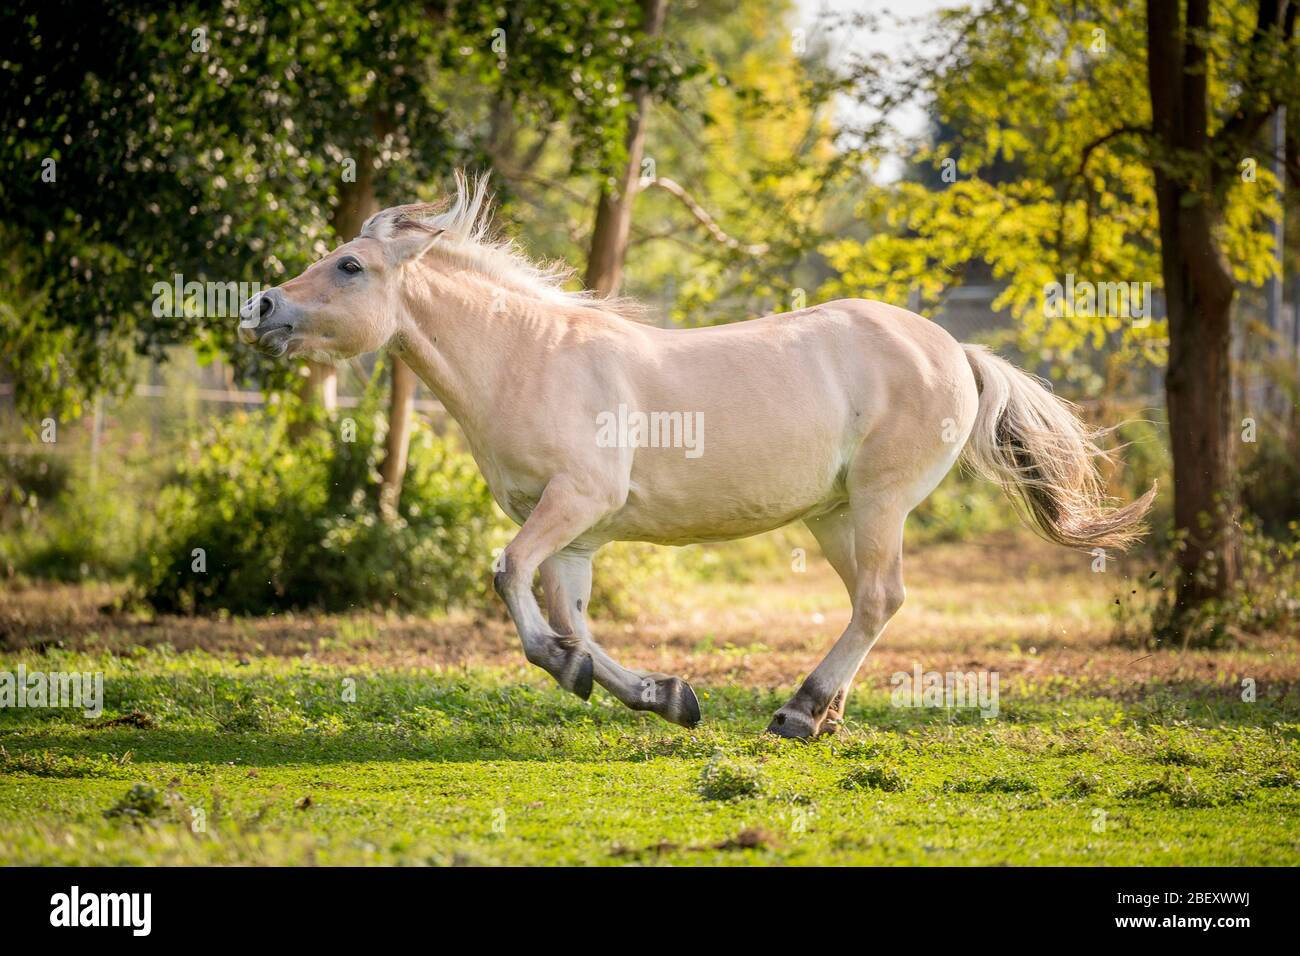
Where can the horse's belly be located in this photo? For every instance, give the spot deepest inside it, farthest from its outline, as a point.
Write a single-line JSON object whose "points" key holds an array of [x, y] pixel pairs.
{"points": [[685, 502], [650, 527]]}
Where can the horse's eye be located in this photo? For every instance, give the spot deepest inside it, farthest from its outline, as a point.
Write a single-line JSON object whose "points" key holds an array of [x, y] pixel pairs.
{"points": [[350, 266]]}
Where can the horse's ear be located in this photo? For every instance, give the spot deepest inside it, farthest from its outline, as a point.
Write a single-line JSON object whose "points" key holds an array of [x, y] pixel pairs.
{"points": [[411, 243]]}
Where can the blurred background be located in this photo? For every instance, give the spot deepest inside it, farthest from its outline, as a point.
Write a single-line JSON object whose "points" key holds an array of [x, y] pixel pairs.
{"points": [[716, 159]]}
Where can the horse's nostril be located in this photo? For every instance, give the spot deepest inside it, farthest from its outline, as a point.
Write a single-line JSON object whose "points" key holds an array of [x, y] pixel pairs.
{"points": [[266, 306]]}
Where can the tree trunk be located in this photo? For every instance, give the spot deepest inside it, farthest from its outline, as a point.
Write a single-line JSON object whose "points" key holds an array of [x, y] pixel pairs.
{"points": [[1198, 394], [401, 416], [322, 384], [614, 210], [401, 413], [1199, 291]]}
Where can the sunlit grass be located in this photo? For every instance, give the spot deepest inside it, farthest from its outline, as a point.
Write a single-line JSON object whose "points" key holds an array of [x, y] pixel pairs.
{"points": [[435, 766]]}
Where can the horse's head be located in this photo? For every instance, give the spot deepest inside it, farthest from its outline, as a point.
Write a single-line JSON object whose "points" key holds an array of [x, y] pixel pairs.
{"points": [[349, 302]]}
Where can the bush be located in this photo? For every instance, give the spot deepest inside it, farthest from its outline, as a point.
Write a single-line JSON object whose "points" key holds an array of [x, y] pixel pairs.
{"points": [[725, 778], [1144, 460], [1265, 598], [142, 802], [874, 777], [1270, 481], [998, 783], [59, 525], [40, 476], [259, 521]]}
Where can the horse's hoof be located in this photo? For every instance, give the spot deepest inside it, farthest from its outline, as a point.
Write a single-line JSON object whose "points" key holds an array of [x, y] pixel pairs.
{"points": [[669, 697], [571, 666], [794, 724], [681, 706], [576, 673]]}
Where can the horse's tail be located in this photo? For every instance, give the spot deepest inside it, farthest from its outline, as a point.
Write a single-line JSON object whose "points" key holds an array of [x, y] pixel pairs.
{"points": [[1037, 448]]}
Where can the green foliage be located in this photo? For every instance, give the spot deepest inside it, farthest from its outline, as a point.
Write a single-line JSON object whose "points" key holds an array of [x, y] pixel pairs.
{"points": [[874, 777], [1083, 783], [726, 778], [623, 571], [142, 802], [1271, 483], [1266, 596], [212, 140], [285, 523], [28, 479], [628, 575], [960, 507], [1042, 118], [45, 763], [1142, 460], [998, 783], [58, 523], [1270, 465]]}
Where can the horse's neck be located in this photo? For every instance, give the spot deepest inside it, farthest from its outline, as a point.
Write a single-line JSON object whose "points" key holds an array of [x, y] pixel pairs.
{"points": [[463, 339]]}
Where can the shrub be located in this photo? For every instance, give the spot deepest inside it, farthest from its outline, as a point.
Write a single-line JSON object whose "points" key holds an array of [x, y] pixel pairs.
{"points": [[1266, 596], [1270, 480], [42, 476], [142, 802], [724, 778], [294, 522], [998, 783], [1082, 783], [873, 777], [60, 525]]}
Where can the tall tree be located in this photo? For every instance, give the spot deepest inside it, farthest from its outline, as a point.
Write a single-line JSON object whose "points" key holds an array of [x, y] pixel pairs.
{"points": [[614, 207], [1119, 130], [1194, 163]]}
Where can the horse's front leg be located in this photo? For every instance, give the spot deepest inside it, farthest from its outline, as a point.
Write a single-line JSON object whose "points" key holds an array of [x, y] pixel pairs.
{"points": [[566, 581], [565, 510]]}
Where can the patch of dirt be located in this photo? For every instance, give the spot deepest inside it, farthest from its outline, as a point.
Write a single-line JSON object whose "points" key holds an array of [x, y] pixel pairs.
{"points": [[1007, 603], [752, 838]]}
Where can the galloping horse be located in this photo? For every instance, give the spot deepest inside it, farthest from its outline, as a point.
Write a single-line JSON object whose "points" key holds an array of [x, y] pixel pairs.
{"points": [[591, 427]]}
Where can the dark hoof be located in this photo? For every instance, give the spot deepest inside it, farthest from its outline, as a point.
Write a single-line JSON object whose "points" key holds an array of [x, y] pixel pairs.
{"points": [[669, 697], [570, 666], [576, 672], [681, 706], [793, 724]]}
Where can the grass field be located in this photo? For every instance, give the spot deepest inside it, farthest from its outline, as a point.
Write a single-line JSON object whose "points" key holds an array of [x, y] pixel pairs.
{"points": [[255, 750]]}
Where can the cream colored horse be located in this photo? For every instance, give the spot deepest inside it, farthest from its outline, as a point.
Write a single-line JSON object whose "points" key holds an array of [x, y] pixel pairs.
{"points": [[590, 427]]}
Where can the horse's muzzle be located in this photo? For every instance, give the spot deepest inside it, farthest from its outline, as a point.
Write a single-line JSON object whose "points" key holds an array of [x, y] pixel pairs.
{"points": [[261, 322]]}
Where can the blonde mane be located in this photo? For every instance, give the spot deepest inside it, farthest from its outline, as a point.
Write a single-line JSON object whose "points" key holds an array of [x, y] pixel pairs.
{"points": [[469, 235]]}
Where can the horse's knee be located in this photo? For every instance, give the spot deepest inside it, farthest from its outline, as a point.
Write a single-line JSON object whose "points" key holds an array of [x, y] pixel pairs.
{"points": [[892, 599], [875, 605], [506, 577]]}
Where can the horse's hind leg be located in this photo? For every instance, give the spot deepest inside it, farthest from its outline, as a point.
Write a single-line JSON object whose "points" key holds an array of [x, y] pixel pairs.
{"points": [[566, 580], [562, 513], [835, 533], [875, 579]]}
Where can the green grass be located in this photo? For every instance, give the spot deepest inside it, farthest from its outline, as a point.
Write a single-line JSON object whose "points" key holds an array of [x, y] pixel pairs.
{"points": [[445, 767]]}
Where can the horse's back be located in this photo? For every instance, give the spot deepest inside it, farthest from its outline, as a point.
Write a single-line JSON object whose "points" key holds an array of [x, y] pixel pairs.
{"points": [[786, 406], [872, 354]]}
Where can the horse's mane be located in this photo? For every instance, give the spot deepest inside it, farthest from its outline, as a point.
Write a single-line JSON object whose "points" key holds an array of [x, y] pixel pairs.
{"points": [[470, 235]]}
